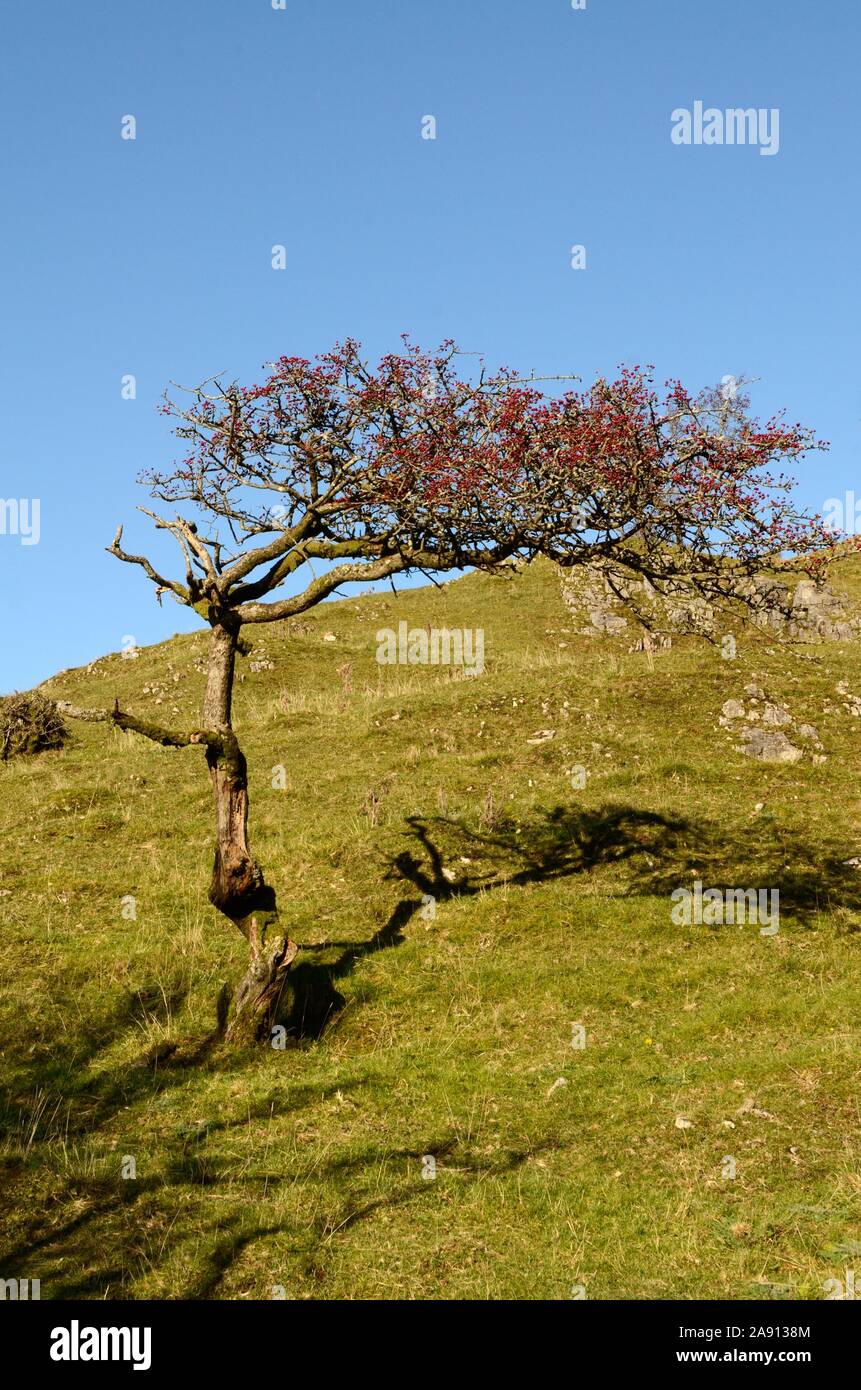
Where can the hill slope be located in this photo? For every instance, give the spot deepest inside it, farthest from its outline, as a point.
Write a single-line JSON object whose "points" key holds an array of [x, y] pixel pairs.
{"points": [[374, 788]]}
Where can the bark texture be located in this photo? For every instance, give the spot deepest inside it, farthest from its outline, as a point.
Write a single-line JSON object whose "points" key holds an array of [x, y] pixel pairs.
{"points": [[239, 888]]}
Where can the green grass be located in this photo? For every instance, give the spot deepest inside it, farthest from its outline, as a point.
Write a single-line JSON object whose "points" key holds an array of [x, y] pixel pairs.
{"points": [[303, 1168]]}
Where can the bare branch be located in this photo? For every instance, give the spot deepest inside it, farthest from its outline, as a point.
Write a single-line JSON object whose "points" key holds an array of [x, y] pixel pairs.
{"points": [[169, 738], [180, 593]]}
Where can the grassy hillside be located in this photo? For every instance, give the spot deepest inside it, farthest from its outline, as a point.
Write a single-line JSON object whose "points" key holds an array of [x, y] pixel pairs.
{"points": [[555, 1166]]}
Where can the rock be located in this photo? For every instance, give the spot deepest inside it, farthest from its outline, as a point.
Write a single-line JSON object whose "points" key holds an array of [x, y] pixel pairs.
{"points": [[605, 608], [810, 612], [690, 615], [852, 703], [806, 594], [749, 1107], [652, 642], [776, 716], [604, 621], [817, 609], [769, 602], [760, 742], [769, 746]]}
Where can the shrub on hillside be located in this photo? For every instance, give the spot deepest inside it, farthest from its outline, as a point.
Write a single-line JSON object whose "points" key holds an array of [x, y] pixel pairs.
{"points": [[29, 724]]}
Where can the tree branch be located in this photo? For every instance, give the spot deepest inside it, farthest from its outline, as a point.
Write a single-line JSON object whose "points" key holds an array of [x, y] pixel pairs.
{"points": [[180, 593], [367, 571], [169, 738]]}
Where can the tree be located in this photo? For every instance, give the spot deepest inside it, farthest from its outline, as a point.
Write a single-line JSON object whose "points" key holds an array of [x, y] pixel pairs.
{"points": [[416, 466]]}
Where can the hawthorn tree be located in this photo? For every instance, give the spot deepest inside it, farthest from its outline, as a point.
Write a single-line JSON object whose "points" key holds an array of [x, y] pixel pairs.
{"points": [[418, 465]]}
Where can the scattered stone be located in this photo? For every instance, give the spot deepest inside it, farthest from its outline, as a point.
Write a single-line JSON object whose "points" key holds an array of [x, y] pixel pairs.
{"points": [[768, 743], [851, 703], [808, 731], [749, 1107], [653, 642], [776, 716], [769, 746]]}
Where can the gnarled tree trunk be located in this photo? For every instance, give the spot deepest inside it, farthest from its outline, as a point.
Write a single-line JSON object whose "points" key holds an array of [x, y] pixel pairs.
{"points": [[238, 887]]}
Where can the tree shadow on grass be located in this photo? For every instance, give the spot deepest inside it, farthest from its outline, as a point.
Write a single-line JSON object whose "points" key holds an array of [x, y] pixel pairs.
{"points": [[36, 1080], [562, 843], [118, 1229], [316, 1001], [659, 854], [97, 1241], [448, 858], [557, 844]]}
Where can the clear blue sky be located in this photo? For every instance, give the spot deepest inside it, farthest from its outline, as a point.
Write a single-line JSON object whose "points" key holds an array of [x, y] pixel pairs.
{"points": [[302, 126]]}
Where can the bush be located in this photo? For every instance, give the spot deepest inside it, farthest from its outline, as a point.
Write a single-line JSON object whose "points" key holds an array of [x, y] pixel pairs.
{"points": [[29, 724]]}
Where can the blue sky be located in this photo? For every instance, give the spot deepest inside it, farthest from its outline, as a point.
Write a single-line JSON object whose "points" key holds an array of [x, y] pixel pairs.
{"points": [[302, 127]]}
